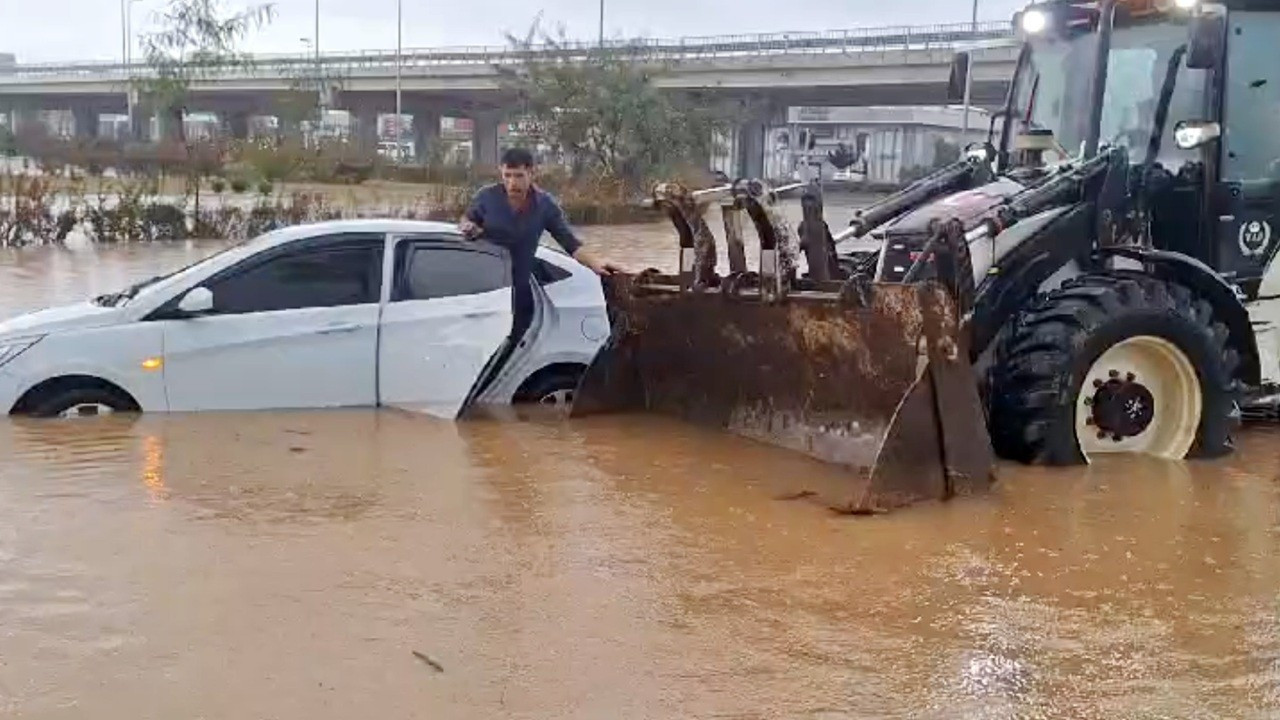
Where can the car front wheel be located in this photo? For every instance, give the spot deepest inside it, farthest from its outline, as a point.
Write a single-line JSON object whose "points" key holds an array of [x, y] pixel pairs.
{"points": [[77, 402]]}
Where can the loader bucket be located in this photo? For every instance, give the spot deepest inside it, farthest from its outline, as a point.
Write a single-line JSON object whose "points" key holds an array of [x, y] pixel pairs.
{"points": [[871, 376]]}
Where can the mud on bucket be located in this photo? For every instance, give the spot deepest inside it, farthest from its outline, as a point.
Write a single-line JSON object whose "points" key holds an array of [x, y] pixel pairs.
{"points": [[881, 385]]}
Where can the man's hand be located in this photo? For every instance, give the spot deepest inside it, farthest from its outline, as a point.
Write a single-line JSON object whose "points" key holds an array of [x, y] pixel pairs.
{"points": [[606, 268], [600, 267], [470, 230]]}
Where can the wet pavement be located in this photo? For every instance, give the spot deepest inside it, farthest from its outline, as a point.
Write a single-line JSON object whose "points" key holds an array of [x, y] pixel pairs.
{"points": [[346, 564]]}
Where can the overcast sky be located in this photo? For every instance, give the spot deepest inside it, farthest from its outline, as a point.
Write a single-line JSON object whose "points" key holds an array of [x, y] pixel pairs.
{"points": [[50, 31]]}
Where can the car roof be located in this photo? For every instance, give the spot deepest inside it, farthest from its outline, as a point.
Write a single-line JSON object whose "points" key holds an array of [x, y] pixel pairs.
{"points": [[376, 225], [373, 225]]}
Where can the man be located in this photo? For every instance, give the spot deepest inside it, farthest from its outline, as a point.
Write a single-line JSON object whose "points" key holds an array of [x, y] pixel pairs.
{"points": [[514, 213]]}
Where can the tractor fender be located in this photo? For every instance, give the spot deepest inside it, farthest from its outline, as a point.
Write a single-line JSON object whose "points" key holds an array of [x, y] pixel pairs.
{"points": [[1020, 272], [1200, 278]]}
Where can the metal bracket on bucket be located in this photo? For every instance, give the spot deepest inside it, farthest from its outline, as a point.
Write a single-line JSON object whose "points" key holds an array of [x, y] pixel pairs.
{"points": [[779, 248], [687, 211], [815, 236], [731, 210]]}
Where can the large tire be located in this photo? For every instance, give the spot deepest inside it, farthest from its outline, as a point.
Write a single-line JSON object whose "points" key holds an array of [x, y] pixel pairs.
{"points": [[1166, 385]]}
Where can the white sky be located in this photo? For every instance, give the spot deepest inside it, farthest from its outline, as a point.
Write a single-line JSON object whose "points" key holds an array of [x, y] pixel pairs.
{"points": [[52, 31]]}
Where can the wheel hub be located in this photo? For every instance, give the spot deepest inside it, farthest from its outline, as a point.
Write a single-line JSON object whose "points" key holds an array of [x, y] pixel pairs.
{"points": [[1121, 407]]}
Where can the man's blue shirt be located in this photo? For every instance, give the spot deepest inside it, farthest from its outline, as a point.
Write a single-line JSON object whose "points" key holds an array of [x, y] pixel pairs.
{"points": [[520, 231]]}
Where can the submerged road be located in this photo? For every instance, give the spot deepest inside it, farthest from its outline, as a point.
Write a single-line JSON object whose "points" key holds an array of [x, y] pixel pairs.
{"points": [[351, 564]]}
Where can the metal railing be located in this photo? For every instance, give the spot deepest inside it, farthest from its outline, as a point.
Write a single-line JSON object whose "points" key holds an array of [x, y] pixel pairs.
{"points": [[645, 49]]}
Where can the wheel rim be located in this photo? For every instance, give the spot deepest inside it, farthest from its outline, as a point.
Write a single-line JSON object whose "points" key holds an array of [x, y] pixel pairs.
{"points": [[558, 398], [1140, 396], [86, 410]]}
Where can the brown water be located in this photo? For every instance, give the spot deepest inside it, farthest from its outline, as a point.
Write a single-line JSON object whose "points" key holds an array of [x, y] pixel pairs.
{"points": [[270, 565]]}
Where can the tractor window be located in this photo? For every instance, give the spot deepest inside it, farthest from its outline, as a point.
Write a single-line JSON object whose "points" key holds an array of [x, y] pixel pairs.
{"points": [[1251, 136], [1139, 63], [1052, 87]]}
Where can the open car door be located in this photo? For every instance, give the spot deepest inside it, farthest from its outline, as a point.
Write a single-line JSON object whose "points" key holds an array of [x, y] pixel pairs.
{"points": [[447, 317]]}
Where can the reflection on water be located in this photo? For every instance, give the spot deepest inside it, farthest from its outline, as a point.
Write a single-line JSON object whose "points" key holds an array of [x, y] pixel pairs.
{"points": [[287, 565]]}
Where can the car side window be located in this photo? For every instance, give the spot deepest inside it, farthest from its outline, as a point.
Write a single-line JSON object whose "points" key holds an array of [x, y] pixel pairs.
{"points": [[436, 271], [347, 274]]}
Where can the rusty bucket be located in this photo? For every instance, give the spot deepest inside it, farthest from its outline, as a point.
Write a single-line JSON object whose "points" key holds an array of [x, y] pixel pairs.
{"points": [[874, 377]]}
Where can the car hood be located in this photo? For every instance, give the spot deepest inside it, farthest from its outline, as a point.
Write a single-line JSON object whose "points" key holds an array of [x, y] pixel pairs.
{"points": [[77, 316]]}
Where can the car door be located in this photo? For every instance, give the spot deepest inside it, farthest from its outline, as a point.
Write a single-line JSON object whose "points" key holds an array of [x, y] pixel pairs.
{"points": [[447, 317], [292, 327]]}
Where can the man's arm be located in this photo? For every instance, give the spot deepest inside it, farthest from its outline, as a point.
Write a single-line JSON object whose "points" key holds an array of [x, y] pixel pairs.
{"points": [[558, 225], [559, 228], [472, 222]]}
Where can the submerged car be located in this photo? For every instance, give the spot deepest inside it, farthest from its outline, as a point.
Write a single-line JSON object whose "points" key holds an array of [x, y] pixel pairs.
{"points": [[349, 313]]}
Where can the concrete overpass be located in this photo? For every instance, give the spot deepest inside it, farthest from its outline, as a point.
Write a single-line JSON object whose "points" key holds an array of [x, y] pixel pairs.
{"points": [[765, 74]]}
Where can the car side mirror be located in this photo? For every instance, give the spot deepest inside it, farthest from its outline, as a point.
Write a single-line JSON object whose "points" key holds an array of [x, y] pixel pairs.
{"points": [[197, 301], [959, 76], [1190, 134], [1205, 39]]}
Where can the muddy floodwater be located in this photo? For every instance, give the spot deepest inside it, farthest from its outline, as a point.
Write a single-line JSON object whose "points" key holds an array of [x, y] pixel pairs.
{"points": [[362, 564]]}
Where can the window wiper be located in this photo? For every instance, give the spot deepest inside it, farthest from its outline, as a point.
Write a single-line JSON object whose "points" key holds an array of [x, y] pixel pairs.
{"points": [[118, 298]]}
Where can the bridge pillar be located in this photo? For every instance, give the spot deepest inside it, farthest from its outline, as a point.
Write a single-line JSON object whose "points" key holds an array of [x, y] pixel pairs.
{"points": [[86, 121], [366, 127], [27, 119], [426, 131], [751, 141], [484, 137], [237, 122], [170, 123]]}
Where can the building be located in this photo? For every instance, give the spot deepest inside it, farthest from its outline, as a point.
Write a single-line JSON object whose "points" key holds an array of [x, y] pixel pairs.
{"points": [[890, 145]]}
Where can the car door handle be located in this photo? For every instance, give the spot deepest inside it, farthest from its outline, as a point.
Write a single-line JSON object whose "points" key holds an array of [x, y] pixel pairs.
{"points": [[335, 329], [480, 314]]}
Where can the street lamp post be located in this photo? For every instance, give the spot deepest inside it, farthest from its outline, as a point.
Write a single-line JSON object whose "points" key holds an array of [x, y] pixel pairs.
{"points": [[968, 76], [126, 53], [399, 106], [319, 74]]}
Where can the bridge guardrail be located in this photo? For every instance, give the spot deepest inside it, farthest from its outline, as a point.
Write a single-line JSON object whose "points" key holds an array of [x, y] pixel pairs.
{"points": [[689, 48]]}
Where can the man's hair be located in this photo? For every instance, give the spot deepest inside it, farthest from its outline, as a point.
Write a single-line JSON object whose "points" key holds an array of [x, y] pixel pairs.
{"points": [[517, 157]]}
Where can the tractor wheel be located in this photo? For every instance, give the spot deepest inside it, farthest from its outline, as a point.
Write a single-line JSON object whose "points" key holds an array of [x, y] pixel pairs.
{"points": [[1114, 363]]}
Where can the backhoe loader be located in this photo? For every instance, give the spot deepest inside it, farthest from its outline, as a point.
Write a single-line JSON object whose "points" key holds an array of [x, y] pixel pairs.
{"points": [[1098, 277]]}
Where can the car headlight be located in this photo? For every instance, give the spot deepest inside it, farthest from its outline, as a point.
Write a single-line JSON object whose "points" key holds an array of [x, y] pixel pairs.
{"points": [[10, 349]]}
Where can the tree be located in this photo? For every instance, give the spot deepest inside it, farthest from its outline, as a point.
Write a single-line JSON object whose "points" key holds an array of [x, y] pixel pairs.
{"points": [[600, 109], [196, 40]]}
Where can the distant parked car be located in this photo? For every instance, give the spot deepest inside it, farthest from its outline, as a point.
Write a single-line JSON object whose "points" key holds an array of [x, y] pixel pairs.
{"points": [[349, 313]]}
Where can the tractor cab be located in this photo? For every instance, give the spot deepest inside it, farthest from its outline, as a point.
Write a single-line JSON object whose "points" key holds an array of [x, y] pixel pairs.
{"points": [[1191, 90]]}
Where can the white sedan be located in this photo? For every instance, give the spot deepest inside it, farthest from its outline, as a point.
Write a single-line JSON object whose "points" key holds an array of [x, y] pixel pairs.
{"points": [[350, 313]]}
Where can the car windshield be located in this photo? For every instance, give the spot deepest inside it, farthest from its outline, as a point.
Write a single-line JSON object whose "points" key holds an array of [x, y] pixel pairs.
{"points": [[1050, 88], [123, 296]]}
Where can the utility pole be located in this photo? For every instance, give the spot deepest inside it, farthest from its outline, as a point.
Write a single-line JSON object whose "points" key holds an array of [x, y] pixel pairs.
{"points": [[399, 105], [602, 24], [319, 75], [126, 53], [968, 78]]}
